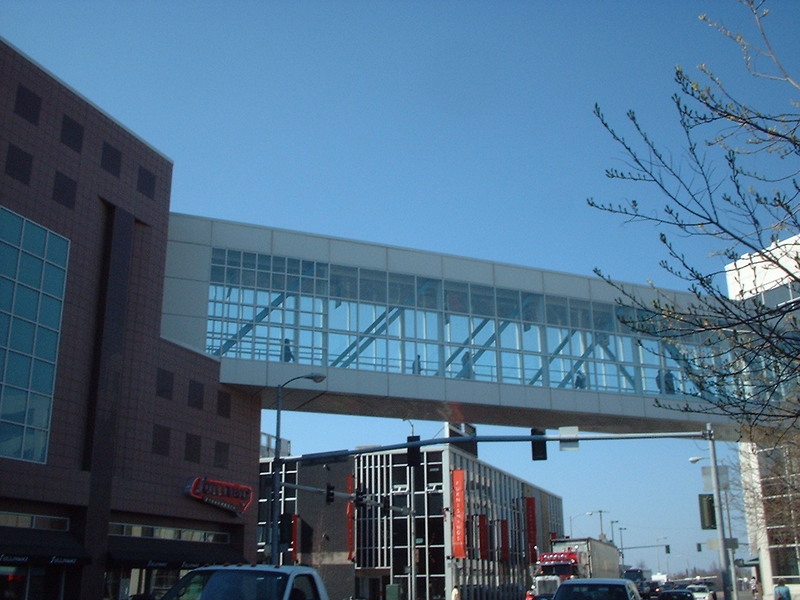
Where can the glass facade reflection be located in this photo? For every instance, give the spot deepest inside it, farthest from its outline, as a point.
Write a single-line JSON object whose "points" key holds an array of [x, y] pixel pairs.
{"points": [[33, 272], [278, 308]]}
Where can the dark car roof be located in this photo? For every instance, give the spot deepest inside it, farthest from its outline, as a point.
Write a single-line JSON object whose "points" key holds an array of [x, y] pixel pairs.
{"points": [[597, 580], [675, 594]]}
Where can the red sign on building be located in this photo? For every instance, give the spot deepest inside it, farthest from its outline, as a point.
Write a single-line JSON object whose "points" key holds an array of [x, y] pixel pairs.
{"points": [[234, 497], [459, 510]]}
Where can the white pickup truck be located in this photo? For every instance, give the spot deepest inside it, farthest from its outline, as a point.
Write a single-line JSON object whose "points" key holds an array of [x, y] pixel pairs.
{"points": [[249, 582]]}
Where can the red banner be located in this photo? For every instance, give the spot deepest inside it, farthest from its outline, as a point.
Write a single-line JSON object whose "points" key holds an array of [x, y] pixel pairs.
{"points": [[483, 536], [505, 550], [351, 520], [459, 512], [530, 521]]}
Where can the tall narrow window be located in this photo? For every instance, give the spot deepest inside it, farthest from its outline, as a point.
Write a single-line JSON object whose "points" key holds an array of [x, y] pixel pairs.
{"points": [[28, 105], [161, 437], [19, 164], [196, 391], [164, 383], [224, 404], [191, 452], [221, 452], [71, 133], [146, 183], [65, 190], [111, 159]]}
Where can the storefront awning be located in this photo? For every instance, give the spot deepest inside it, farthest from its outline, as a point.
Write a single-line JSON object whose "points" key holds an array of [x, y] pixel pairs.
{"points": [[168, 554], [19, 546]]}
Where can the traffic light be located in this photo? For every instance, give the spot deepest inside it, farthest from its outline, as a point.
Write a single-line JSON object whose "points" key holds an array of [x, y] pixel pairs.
{"points": [[329, 495], [538, 447], [708, 516], [413, 455], [666, 549]]}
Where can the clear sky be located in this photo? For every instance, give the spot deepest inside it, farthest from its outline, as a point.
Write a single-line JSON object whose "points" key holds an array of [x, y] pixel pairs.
{"points": [[462, 127]]}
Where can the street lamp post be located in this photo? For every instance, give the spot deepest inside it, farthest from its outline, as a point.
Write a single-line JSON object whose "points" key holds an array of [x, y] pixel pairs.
{"points": [[728, 573], [276, 465], [622, 544], [575, 517], [612, 530], [600, 512]]}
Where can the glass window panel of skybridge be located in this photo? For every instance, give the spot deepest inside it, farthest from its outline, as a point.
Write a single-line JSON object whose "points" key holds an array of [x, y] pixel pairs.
{"points": [[649, 381], [604, 377], [485, 364], [344, 282], [559, 370], [339, 346], [511, 367], [372, 354], [457, 328], [454, 365], [311, 319], [429, 293], [395, 360], [342, 315], [482, 332], [371, 318], [428, 325], [510, 335], [533, 373]]}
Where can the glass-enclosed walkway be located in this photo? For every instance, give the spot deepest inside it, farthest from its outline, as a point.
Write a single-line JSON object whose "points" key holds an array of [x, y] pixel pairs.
{"points": [[283, 308]]}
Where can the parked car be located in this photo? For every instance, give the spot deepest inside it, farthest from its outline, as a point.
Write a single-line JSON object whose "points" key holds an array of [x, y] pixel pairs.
{"points": [[701, 592], [649, 589], [597, 589], [249, 582]]}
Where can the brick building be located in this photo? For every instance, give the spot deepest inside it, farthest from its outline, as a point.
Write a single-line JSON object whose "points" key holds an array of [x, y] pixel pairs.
{"points": [[103, 423]]}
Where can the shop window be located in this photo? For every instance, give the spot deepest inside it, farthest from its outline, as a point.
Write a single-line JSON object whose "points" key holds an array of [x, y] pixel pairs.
{"points": [[72, 134], [28, 105], [164, 383], [161, 437], [196, 391], [111, 159], [65, 190], [19, 164]]}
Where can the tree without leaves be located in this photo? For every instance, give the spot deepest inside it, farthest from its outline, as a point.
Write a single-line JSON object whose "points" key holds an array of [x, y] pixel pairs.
{"points": [[735, 185]]}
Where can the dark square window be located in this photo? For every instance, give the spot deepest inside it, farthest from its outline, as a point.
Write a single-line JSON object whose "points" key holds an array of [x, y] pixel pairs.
{"points": [[161, 440], [224, 404], [65, 190], [71, 133], [196, 392], [111, 160], [164, 383], [221, 451], [19, 164], [192, 451], [28, 105], [146, 184]]}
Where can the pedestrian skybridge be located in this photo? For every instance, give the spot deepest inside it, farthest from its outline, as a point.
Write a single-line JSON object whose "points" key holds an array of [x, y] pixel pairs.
{"points": [[410, 334]]}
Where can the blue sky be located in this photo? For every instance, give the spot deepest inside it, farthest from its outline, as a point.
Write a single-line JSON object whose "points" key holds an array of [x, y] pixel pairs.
{"points": [[458, 127]]}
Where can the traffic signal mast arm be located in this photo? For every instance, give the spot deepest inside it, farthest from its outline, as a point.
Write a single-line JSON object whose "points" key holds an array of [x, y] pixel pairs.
{"points": [[359, 498], [581, 437]]}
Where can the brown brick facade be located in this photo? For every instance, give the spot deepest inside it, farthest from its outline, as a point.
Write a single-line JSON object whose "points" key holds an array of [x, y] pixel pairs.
{"points": [[66, 166]]}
